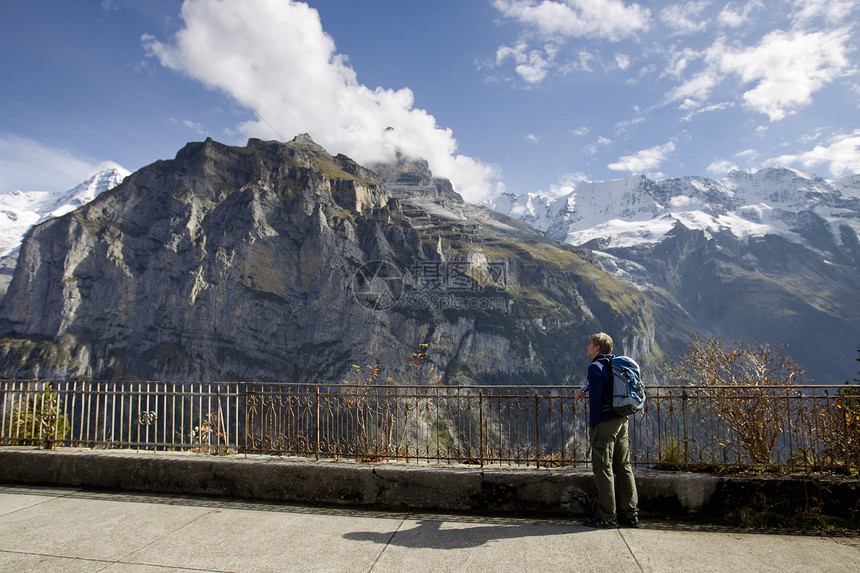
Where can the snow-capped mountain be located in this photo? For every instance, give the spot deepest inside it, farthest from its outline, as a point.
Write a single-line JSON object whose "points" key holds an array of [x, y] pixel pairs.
{"points": [[765, 257], [638, 211], [848, 186], [20, 210]]}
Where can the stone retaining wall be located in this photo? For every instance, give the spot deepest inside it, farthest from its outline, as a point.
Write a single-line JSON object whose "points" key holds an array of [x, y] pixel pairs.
{"points": [[522, 491]]}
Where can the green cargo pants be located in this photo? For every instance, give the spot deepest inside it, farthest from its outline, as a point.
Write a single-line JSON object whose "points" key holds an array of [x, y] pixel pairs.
{"points": [[610, 461]]}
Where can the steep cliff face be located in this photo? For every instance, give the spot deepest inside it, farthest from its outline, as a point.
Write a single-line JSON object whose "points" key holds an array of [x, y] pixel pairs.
{"points": [[280, 262]]}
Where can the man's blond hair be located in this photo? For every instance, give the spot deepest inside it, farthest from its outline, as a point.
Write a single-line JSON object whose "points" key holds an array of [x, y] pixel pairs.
{"points": [[603, 342]]}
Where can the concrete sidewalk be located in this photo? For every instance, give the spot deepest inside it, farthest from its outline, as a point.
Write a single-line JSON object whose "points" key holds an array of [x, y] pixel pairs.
{"points": [[57, 529]]}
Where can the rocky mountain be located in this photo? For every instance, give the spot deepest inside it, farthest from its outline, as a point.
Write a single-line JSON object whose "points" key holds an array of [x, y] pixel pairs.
{"points": [[771, 256], [20, 210], [280, 262]]}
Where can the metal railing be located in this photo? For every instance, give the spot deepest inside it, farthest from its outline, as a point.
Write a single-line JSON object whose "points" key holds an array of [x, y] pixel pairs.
{"points": [[126, 415], [803, 427], [472, 425]]}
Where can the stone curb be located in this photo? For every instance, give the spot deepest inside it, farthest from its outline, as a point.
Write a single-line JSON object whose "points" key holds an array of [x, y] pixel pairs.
{"points": [[493, 490]]}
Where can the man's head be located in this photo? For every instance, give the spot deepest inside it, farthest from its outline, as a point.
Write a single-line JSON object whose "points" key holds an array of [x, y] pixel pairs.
{"points": [[600, 343]]}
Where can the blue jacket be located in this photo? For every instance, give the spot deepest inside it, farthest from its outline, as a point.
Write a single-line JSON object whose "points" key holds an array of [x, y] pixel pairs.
{"points": [[599, 373]]}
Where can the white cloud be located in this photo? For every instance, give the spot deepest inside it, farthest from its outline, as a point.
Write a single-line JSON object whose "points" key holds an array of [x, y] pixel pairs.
{"points": [[695, 91], [678, 62], [194, 126], [531, 65], [748, 154], [832, 11], [719, 168], [557, 21], [532, 138], [785, 68], [28, 165], [624, 128], [585, 60], [732, 18], [841, 155], [604, 19], [707, 109], [645, 160], [567, 184], [622, 61], [593, 148], [273, 57], [810, 137], [685, 18]]}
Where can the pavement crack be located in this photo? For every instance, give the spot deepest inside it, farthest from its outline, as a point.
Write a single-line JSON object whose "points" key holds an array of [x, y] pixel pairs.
{"points": [[630, 549], [387, 543], [125, 558]]}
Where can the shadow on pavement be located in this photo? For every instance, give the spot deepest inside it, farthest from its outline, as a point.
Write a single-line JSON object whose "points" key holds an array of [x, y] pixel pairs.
{"points": [[429, 534]]}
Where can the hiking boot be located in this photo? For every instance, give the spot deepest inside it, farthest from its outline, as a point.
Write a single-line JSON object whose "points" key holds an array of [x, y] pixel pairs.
{"points": [[600, 523], [628, 520]]}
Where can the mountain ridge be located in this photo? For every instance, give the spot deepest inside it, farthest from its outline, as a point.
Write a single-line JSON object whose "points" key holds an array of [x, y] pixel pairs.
{"points": [[746, 203], [764, 257], [280, 262], [770, 256]]}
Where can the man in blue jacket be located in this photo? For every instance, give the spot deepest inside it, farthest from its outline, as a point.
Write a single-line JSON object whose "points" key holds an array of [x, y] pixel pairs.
{"points": [[617, 500]]}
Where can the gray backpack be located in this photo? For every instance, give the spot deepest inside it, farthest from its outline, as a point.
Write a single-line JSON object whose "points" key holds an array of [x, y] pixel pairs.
{"points": [[627, 391]]}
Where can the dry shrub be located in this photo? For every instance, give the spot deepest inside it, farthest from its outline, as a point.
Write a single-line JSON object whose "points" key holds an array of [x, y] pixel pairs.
{"points": [[742, 387]]}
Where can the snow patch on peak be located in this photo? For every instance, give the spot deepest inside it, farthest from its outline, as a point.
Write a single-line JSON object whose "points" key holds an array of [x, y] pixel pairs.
{"points": [[637, 211], [621, 233], [20, 210], [848, 186], [87, 191]]}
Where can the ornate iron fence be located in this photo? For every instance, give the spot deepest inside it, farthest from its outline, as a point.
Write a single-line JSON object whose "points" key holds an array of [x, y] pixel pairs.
{"points": [[472, 425], [128, 415], [803, 427]]}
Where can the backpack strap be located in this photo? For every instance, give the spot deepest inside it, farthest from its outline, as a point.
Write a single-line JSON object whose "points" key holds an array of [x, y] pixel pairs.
{"points": [[607, 385]]}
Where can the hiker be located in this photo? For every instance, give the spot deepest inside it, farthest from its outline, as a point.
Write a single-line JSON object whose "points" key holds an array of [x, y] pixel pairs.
{"points": [[617, 500]]}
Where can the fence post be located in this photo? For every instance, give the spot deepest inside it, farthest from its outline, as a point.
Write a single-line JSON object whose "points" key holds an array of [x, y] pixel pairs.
{"points": [[481, 424], [317, 408], [247, 397], [4, 396], [537, 429], [845, 417], [240, 390], [684, 423]]}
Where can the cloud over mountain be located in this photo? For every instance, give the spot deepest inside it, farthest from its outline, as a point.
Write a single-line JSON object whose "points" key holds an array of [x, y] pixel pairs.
{"points": [[274, 58]]}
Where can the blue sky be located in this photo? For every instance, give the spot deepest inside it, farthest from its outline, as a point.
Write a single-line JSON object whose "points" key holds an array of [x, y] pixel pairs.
{"points": [[499, 95]]}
